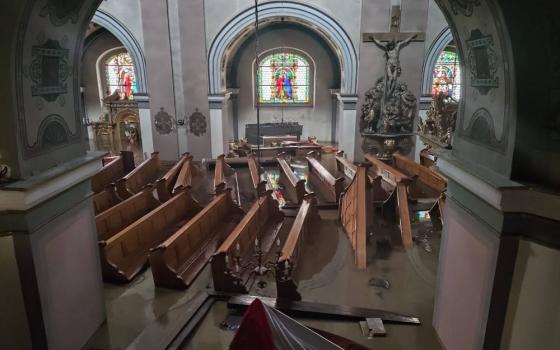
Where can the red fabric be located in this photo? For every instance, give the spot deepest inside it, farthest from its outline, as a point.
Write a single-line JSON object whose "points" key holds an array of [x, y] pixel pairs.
{"points": [[254, 332]]}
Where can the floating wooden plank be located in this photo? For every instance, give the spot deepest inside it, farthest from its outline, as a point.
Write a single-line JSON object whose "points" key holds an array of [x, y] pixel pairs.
{"points": [[319, 310], [294, 187]]}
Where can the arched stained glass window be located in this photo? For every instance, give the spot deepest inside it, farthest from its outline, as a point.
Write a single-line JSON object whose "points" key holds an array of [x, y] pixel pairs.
{"points": [[120, 75], [447, 74], [284, 77]]}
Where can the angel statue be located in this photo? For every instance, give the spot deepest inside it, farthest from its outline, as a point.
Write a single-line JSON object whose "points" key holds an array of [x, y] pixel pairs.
{"points": [[393, 66]]}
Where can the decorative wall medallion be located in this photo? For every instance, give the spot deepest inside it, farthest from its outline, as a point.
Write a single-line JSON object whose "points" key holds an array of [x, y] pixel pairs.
{"points": [[49, 70], [197, 123], [482, 61], [164, 123], [465, 7], [61, 11]]}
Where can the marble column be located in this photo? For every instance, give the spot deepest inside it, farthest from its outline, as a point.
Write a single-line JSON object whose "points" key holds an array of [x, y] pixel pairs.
{"points": [[146, 129], [334, 115], [217, 124], [348, 125]]}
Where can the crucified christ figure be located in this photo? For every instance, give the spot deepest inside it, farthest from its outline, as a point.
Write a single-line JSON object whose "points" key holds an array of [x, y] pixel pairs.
{"points": [[393, 66]]}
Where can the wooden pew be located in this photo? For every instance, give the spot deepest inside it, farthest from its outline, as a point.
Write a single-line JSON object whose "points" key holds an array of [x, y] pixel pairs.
{"points": [[145, 174], [356, 213], [105, 200], [294, 187], [237, 251], [226, 177], [256, 171], [398, 199], [330, 186], [125, 254], [176, 262], [166, 183], [117, 218], [288, 265], [112, 172], [184, 180]]}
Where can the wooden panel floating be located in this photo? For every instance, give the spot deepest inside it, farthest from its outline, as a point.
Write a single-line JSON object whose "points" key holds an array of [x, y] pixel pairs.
{"points": [[105, 200], [125, 254], [294, 187], [330, 186], [145, 174], [288, 265], [238, 249], [226, 177], [166, 183], [356, 213], [259, 183], [117, 218], [177, 261]]}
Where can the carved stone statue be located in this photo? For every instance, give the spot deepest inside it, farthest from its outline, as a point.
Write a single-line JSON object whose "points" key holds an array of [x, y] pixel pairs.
{"points": [[441, 119], [393, 65]]}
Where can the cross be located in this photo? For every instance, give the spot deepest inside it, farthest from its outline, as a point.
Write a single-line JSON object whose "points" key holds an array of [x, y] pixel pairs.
{"points": [[394, 31]]}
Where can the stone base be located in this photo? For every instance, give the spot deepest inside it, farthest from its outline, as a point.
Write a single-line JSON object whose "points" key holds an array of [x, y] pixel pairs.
{"points": [[384, 145]]}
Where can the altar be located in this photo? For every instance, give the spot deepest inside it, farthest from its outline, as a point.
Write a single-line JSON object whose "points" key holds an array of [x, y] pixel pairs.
{"points": [[272, 129]]}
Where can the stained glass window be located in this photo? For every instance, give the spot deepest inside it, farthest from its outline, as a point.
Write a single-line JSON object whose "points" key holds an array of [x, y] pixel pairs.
{"points": [[120, 76], [447, 74], [285, 78]]}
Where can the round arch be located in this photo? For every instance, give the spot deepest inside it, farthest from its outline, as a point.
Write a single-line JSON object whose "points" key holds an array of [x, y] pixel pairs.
{"points": [[444, 38], [315, 19], [132, 45]]}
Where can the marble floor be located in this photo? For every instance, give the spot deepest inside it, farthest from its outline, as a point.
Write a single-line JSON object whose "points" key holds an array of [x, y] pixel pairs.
{"points": [[328, 276]]}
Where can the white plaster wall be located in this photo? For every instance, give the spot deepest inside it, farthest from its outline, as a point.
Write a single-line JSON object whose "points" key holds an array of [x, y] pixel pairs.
{"points": [[127, 12], [219, 12], [316, 120]]}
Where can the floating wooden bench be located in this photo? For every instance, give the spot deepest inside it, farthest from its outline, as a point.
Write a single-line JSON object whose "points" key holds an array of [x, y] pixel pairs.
{"points": [[259, 183], [112, 172], [105, 200], [145, 174], [184, 180], [356, 213], [166, 183], [294, 187], [288, 265], [117, 218], [125, 254], [177, 261], [237, 251], [398, 199], [226, 177], [328, 185]]}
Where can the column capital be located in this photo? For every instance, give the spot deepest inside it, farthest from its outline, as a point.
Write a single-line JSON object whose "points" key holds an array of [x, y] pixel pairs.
{"points": [[143, 100], [350, 102], [216, 101]]}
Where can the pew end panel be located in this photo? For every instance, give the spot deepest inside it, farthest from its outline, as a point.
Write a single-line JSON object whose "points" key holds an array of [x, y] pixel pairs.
{"points": [[293, 186], [105, 200], [108, 175], [146, 173], [185, 177], [165, 184]]}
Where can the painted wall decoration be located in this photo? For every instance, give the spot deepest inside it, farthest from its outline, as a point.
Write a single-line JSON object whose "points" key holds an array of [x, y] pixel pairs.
{"points": [[197, 123], [49, 70], [447, 75], [465, 7], [120, 76], [165, 124], [481, 129], [482, 59], [62, 11], [284, 77], [53, 132]]}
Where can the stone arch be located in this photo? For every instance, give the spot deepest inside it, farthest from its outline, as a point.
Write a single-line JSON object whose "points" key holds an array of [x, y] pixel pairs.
{"points": [[304, 14], [119, 30], [442, 40]]}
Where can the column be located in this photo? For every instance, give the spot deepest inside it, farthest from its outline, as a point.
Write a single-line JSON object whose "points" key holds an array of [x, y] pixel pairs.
{"points": [[146, 130], [233, 98], [334, 115], [216, 105], [348, 125]]}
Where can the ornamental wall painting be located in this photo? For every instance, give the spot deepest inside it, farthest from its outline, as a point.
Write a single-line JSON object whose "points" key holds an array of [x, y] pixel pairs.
{"points": [[284, 78]]}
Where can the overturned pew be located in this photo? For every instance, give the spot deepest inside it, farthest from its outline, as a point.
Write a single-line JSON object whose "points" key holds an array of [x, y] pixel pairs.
{"points": [[356, 213], [166, 183], [178, 260], [117, 218], [145, 174], [105, 200], [257, 178], [233, 263], [289, 263], [125, 254], [327, 184], [293, 187]]}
